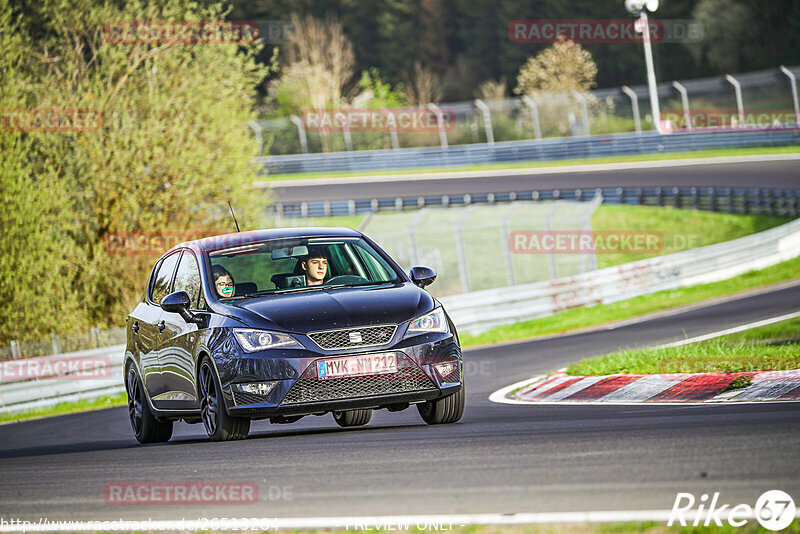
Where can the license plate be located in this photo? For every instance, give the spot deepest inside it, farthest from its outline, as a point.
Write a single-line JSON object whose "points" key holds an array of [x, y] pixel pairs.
{"points": [[374, 364]]}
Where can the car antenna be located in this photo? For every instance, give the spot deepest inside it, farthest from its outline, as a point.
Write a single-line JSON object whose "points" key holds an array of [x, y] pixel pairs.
{"points": [[234, 217]]}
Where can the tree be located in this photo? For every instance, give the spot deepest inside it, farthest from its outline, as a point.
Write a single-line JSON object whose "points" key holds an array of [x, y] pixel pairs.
{"points": [[173, 146], [562, 68]]}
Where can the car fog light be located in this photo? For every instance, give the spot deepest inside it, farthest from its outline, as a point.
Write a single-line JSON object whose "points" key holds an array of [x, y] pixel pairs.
{"points": [[255, 388], [445, 369]]}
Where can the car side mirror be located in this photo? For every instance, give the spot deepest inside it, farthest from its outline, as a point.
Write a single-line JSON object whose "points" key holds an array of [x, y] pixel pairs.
{"points": [[179, 303], [422, 276]]}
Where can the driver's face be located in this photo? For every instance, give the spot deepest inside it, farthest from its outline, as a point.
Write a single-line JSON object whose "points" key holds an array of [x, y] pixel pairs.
{"points": [[316, 269]]}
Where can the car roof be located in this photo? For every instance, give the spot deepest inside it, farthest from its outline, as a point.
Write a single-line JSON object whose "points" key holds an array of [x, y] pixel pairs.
{"points": [[221, 241]]}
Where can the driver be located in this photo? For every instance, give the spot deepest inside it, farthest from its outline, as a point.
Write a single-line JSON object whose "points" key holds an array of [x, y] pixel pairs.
{"points": [[315, 266], [223, 281]]}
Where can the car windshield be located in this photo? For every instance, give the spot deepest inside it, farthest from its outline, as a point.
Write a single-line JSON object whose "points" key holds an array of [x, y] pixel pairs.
{"points": [[298, 264]]}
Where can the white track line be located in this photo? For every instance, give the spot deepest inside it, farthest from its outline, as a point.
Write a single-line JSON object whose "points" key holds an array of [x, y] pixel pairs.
{"points": [[534, 171], [733, 330]]}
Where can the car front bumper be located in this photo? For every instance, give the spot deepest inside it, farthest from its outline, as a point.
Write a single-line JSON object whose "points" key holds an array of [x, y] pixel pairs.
{"points": [[298, 390]]}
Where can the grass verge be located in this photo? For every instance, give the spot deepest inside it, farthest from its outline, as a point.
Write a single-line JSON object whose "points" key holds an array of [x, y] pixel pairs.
{"points": [[679, 229], [663, 156], [627, 309], [735, 353], [64, 408]]}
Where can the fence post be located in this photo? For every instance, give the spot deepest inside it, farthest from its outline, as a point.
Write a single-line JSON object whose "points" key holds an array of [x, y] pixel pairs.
{"points": [[637, 121], [348, 138], [301, 131], [531, 103], [56, 343], [96, 335], [793, 82], [739, 104], [440, 124], [512, 281], [392, 128], [462, 252], [487, 120], [687, 116], [16, 354], [551, 256], [587, 131], [257, 130]]}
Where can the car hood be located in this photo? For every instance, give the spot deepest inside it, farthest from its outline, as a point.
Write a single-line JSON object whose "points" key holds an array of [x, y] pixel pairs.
{"points": [[309, 311]]}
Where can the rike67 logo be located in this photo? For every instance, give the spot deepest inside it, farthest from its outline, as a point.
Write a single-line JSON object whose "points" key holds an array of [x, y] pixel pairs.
{"points": [[774, 510]]}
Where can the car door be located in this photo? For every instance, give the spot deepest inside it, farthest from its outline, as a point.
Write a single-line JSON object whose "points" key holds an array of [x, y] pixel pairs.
{"points": [[146, 318], [178, 341]]}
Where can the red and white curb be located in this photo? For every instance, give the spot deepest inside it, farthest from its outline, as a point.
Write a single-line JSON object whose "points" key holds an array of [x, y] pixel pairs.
{"points": [[702, 388]]}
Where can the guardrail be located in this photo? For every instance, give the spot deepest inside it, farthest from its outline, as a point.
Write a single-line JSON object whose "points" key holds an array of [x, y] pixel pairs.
{"points": [[480, 310], [780, 202], [527, 150], [50, 388]]}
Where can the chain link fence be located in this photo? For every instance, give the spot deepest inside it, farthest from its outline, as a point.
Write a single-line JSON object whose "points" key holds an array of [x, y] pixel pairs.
{"points": [[469, 247]]}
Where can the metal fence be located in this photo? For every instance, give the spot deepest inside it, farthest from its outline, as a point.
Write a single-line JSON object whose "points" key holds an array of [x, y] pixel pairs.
{"points": [[468, 247], [59, 344], [751, 100]]}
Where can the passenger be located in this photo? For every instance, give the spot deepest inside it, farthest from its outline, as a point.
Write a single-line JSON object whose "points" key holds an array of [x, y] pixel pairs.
{"points": [[223, 281]]}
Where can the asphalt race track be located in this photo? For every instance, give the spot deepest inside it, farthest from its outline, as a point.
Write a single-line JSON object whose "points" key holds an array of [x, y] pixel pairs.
{"points": [[500, 458], [767, 174]]}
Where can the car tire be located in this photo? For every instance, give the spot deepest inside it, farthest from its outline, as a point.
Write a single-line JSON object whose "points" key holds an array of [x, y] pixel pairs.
{"points": [[146, 427], [445, 410], [353, 417], [219, 425]]}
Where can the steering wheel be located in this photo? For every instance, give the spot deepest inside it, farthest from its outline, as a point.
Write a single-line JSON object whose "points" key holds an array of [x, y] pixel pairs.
{"points": [[346, 279]]}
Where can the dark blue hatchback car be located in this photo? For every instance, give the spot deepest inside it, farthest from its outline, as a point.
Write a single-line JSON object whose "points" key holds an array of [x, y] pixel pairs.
{"points": [[286, 323]]}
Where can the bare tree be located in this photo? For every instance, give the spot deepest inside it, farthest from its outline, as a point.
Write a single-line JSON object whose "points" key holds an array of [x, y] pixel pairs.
{"points": [[425, 86], [492, 90]]}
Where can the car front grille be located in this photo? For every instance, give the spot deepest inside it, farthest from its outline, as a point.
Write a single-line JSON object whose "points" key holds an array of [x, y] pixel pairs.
{"points": [[367, 336], [407, 379]]}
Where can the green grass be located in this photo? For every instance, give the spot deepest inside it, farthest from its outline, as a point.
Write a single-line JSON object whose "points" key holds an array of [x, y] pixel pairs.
{"points": [[627, 309], [68, 407], [555, 163], [681, 229], [734, 353]]}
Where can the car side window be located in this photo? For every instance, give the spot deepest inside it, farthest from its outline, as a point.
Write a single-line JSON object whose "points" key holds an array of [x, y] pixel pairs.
{"points": [[163, 279], [188, 278]]}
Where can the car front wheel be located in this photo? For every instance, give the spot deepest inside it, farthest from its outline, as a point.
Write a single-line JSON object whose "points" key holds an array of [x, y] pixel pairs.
{"points": [[146, 427], [445, 410], [219, 425]]}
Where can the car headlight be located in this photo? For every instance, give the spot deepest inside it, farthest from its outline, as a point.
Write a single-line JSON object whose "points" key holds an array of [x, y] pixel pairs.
{"points": [[433, 322], [255, 340]]}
